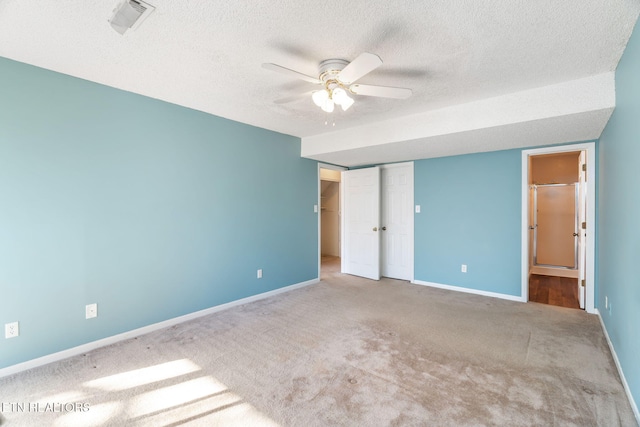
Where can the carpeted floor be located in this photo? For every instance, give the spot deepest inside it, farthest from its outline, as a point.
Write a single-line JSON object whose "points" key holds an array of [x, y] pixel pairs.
{"points": [[347, 351]]}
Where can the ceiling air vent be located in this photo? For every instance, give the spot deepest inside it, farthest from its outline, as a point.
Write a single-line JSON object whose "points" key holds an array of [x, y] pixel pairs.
{"points": [[129, 14]]}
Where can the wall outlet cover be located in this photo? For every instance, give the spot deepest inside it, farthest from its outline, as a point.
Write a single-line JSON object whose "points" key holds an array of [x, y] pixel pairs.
{"points": [[91, 311], [11, 330]]}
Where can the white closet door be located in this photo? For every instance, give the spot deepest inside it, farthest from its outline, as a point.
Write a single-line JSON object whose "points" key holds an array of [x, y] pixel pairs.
{"points": [[361, 235], [397, 221]]}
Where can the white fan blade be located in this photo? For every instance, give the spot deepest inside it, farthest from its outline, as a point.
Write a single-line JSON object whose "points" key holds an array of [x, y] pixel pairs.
{"points": [[381, 91], [287, 71], [292, 98], [363, 64]]}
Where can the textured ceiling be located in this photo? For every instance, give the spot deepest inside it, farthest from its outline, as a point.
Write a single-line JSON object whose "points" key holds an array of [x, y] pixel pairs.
{"points": [[207, 55]]}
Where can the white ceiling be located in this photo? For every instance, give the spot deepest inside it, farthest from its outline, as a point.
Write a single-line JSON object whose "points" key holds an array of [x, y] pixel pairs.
{"points": [[493, 71]]}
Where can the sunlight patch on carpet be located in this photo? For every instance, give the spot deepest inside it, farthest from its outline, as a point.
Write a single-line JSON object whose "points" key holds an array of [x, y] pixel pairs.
{"points": [[148, 375]]}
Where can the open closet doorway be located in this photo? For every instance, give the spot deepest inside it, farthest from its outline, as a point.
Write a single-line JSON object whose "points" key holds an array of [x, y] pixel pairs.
{"points": [[329, 219], [558, 228]]}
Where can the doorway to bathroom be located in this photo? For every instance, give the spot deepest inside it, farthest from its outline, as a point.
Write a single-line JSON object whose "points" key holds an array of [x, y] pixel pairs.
{"points": [[558, 268]]}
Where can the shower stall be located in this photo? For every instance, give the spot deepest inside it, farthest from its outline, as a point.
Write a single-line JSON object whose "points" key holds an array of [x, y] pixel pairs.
{"points": [[555, 225]]}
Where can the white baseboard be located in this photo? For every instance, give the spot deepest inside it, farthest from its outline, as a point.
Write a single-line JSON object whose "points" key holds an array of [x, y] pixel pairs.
{"points": [[64, 354], [469, 290], [634, 407]]}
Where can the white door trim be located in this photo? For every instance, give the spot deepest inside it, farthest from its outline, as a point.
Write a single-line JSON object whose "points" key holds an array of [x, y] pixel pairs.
{"points": [[319, 204], [582, 251], [590, 148], [410, 207]]}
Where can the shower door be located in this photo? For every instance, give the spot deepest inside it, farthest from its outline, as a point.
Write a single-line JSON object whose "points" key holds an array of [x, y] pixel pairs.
{"points": [[555, 234]]}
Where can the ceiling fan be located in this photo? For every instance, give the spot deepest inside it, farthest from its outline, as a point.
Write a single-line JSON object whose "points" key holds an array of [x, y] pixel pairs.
{"points": [[338, 78]]}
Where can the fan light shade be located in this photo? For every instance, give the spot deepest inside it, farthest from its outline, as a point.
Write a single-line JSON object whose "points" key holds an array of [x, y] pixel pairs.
{"points": [[348, 102], [319, 97], [328, 106], [341, 98], [339, 95]]}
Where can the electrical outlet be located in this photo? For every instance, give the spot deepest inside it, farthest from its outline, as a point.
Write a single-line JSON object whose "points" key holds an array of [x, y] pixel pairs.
{"points": [[463, 268], [260, 274], [91, 311], [11, 330]]}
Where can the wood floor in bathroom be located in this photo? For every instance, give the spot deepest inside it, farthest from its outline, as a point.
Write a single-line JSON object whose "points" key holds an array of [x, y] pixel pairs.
{"points": [[553, 290]]}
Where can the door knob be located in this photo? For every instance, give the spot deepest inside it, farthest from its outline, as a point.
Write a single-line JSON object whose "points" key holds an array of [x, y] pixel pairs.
{"points": [[575, 234], [375, 228], [384, 228]]}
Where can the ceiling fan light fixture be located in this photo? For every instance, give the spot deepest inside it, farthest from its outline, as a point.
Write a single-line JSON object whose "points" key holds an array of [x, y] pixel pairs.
{"points": [[328, 106], [338, 78], [328, 98], [319, 97]]}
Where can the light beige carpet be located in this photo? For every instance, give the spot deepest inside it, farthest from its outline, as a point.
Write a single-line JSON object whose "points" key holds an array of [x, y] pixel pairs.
{"points": [[344, 352]]}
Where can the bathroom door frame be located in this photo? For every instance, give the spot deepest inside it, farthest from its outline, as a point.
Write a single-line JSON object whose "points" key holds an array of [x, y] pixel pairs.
{"points": [[589, 234]]}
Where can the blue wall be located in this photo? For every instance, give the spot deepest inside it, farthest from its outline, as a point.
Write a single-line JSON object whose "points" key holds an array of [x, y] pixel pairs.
{"points": [[470, 214], [149, 209], [619, 210]]}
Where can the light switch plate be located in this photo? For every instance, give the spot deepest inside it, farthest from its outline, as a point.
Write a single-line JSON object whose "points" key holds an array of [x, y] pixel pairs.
{"points": [[417, 208]]}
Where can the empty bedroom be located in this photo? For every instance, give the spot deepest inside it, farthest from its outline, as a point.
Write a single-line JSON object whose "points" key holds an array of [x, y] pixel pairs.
{"points": [[319, 213]]}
